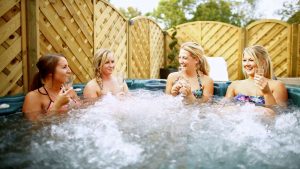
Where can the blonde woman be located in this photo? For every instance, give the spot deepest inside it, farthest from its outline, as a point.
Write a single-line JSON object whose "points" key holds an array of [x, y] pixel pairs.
{"points": [[258, 87], [104, 81], [192, 81]]}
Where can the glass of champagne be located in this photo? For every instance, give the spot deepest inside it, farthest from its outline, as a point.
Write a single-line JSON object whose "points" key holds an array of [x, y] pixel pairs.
{"points": [[260, 72], [69, 82]]}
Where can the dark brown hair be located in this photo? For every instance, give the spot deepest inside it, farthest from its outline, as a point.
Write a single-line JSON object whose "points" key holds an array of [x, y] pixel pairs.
{"points": [[46, 65]]}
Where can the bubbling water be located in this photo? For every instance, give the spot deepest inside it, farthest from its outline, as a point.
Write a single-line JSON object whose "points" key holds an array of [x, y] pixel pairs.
{"points": [[153, 130]]}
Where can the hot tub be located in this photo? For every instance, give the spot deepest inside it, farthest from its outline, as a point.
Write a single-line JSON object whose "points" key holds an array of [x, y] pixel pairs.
{"points": [[152, 130]]}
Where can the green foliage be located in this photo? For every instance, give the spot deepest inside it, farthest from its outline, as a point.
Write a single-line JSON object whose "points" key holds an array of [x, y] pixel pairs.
{"points": [[172, 12], [290, 11], [294, 18], [172, 56], [130, 12], [216, 11]]}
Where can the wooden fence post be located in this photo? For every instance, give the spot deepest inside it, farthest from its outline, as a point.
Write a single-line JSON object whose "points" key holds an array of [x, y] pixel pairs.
{"points": [[24, 46], [294, 50], [32, 10]]}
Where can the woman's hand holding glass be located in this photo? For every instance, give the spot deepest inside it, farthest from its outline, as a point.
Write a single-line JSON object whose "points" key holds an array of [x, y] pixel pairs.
{"points": [[260, 81], [68, 90]]}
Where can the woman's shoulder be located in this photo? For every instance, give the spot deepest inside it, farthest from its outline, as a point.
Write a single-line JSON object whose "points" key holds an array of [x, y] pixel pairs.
{"points": [[173, 75], [276, 83], [207, 79], [92, 84], [237, 83], [35, 95]]}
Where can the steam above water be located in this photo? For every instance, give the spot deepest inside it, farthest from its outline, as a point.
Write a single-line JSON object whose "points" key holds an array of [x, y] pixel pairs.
{"points": [[152, 130]]}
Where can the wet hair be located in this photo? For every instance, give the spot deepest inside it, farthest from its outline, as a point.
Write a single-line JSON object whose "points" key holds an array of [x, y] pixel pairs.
{"points": [[197, 51], [46, 65], [261, 58], [101, 56]]}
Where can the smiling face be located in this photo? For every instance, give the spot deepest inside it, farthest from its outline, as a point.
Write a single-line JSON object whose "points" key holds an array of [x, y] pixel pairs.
{"points": [[62, 70], [109, 65], [255, 57], [249, 65], [186, 61]]}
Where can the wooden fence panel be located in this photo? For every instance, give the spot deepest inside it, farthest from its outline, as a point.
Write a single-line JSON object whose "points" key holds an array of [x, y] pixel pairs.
{"points": [[156, 49], [276, 37], [111, 29], [12, 48], [217, 39], [139, 40], [67, 27]]}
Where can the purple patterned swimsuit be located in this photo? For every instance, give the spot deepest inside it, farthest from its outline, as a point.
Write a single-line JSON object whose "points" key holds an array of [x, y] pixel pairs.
{"points": [[253, 99]]}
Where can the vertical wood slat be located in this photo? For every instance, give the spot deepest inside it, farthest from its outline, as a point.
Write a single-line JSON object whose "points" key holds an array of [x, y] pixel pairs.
{"points": [[32, 38], [24, 46], [295, 51]]}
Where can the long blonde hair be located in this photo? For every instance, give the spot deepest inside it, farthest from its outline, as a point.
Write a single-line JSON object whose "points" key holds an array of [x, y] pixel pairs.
{"points": [[100, 58], [197, 52], [261, 58]]}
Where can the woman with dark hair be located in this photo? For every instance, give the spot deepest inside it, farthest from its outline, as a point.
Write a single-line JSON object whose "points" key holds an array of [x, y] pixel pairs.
{"points": [[104, 81], [48, 95]]}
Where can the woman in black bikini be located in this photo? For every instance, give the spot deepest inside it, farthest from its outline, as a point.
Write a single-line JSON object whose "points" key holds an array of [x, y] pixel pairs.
{"points": [[47, 92], [192, 81]]}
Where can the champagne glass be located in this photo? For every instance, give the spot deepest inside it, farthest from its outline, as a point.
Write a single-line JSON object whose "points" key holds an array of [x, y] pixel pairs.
{"points": [[260, 72], [69, 82]]}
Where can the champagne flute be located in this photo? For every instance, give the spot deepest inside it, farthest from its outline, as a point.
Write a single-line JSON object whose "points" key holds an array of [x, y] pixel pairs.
{"points": [[69, 82], [260, 72]]}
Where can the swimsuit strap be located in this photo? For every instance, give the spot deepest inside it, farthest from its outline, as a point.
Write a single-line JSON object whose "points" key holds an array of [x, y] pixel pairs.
{"points": [[198, 92], [51, 101], [199, 80]]}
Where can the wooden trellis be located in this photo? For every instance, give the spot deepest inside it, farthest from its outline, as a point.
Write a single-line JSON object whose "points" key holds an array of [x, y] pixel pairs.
{"points": [[13, 47], [67, 27]]}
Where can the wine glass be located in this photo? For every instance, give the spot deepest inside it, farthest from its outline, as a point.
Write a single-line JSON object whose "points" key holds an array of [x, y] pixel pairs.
{"points": [[259, 72], [69, 82]]}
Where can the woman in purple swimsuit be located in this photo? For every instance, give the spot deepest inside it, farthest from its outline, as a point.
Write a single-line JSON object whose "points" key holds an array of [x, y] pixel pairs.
{"points": [[258, 87]]}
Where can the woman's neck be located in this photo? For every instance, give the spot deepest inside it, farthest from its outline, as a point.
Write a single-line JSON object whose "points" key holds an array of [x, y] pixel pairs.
{"points": [[191, 73], [52, 87], [106, 77]]}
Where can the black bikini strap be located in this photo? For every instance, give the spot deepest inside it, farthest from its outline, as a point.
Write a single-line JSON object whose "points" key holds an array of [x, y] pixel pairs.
{"points": [[47, 94]]}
